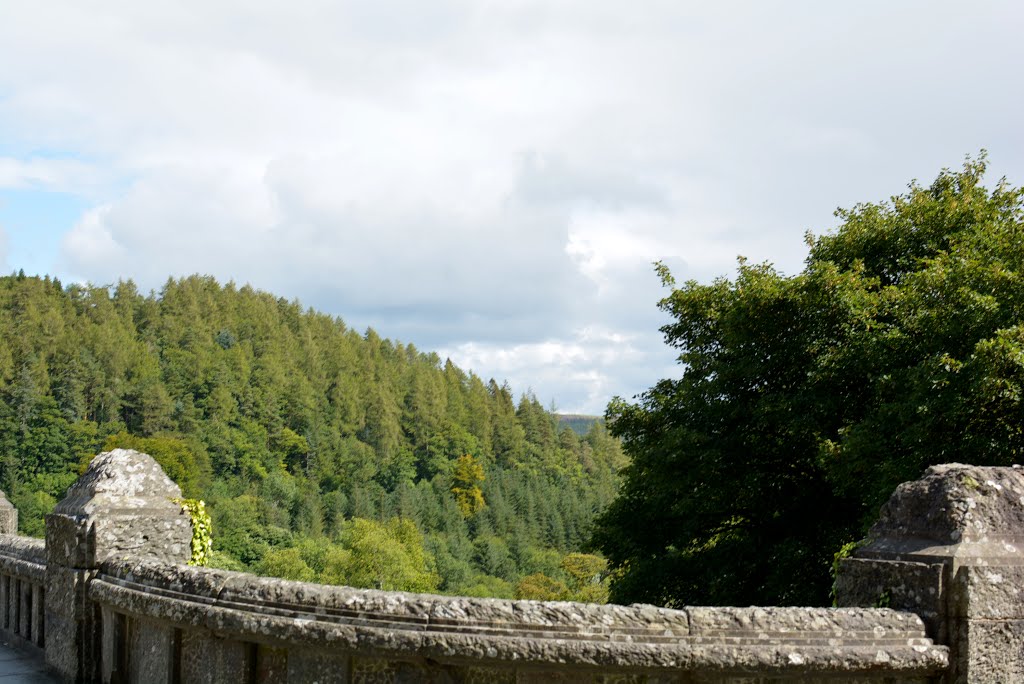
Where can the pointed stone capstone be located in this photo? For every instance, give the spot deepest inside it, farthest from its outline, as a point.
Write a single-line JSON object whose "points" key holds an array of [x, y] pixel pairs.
{"points": [[956, 511], [122, 507]]}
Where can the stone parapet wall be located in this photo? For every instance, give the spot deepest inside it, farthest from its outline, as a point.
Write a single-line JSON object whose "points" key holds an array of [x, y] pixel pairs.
{"points": [[245, 618], [22, 590], [27, 553], [108, 597]]}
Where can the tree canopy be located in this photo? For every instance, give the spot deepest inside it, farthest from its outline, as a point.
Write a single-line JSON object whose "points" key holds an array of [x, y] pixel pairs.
{"points": [[306, 438], [805, 399]]}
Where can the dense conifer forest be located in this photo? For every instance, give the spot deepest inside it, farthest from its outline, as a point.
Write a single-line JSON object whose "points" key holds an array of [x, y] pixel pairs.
{"points": [[322, 453]]}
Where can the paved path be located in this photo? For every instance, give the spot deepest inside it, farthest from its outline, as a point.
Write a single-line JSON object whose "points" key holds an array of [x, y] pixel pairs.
{"points": [[19, 667]]}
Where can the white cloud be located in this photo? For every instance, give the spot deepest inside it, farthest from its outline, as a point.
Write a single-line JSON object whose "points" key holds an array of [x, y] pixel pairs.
{"points": [[490, 178], [591, 364], [55, 175], [91, 242]]}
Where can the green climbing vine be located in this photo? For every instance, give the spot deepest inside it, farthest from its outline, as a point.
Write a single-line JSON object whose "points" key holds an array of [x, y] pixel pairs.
{"points": [[845, 551], [202, 530]]}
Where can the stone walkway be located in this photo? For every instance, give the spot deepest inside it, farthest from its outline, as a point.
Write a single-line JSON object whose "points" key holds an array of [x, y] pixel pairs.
{"points": [[23, 668]]}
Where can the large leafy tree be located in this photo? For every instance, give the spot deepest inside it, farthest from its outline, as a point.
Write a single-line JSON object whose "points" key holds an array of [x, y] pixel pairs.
{"points": [[805, 399]]}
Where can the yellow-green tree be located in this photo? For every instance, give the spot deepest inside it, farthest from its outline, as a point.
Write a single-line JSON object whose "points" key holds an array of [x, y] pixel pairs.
{"points": [[387, 556], [286, 564], [540, 587], [587, 575], [466, 477]]}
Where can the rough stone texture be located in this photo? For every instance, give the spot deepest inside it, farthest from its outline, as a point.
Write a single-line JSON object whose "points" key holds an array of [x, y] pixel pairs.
{"points": [[968, 514], [23, 556], [8, 516], [904, 585], [122, 606], [150, 652], [38, 615], [208, 658], [950, 547], [123, 506], [394, 636], [120, 508], [72, 624], [312, 665], [22, 576], [113, 645], [271, 665]]}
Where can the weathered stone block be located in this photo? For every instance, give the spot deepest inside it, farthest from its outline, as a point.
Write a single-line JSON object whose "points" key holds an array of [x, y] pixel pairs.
{"points": [[150, 652], [311, 665], [73, 631], [67, 541], [950, 547], [38, 615], [902, 585], [988, 651], [113, 660], [25, 609], [373, 671], [208, 659], [120, 508], [989, 592], [271, 665]]}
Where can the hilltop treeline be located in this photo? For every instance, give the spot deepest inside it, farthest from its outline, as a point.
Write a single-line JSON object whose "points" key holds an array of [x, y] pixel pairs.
{"points": [[322, 453]]}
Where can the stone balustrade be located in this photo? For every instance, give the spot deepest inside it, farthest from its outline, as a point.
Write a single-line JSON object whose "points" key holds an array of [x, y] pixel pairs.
{"points": [[220, 626], [22, 581], [108, 597]]}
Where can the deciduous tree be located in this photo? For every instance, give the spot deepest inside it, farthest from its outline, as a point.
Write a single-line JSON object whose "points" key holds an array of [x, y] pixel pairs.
{"points": [[804, 400]]}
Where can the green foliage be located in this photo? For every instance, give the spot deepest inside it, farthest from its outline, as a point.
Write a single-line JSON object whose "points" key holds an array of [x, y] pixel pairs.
{"points": [[388, 556], [202, 530], [286, 564], [486, 586], [222, 561], [845, 551], [33, 507], [540, 587], [806, 399], [588, 577], [290, 425], [578, 424]]}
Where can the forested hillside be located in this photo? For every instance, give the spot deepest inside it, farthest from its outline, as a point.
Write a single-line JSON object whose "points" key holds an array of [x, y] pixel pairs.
{"points": [[581, 425], [322, 453]]}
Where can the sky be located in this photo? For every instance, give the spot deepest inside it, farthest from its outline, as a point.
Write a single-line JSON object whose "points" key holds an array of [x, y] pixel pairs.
{"points": [[491, 180]]}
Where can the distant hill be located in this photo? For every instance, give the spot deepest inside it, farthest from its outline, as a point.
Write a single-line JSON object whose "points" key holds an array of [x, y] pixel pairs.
{"points": [[322, 452], [579, 424]]}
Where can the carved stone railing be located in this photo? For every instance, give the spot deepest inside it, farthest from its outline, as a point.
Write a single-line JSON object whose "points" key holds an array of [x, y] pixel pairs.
{"points": [[218, 626], [22, 592], [109, 598]]}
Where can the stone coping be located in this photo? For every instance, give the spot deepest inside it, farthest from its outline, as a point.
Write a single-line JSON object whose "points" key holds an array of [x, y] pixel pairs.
{"points": [[23, 557], [460, 629]]}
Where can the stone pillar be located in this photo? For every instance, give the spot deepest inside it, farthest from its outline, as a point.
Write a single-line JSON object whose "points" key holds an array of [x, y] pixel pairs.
{"points": [[120, 509], [8, 516], [950, 547]]}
